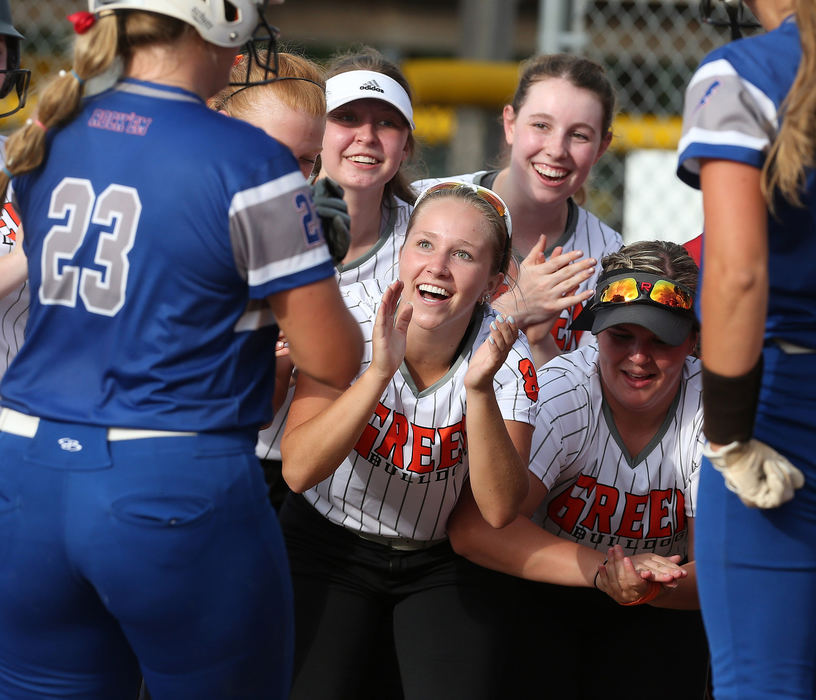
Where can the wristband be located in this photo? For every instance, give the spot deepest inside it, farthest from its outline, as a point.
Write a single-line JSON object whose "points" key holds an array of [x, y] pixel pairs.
{"points": [[729, 405], [597, 571], [651, 594]]}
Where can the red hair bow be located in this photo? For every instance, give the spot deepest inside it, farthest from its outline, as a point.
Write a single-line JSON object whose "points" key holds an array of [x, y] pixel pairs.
{"points": [[82, 21]]}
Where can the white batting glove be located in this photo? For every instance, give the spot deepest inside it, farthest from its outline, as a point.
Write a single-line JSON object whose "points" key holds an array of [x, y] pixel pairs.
{"points": [[757, 473]]}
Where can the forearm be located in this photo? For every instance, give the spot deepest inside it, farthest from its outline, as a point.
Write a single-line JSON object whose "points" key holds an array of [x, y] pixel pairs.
{"points": [[498, 474], [735, 276], [733, 306], [542, 344], [511, 303], [307, 316], [312, 449], [526, 550]]}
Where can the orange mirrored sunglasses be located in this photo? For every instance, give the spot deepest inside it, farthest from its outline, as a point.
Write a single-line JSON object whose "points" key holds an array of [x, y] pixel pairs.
{"points": [[649, 287]]}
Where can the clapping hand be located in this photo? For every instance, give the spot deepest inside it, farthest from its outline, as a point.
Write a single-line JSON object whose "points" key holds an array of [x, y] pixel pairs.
{"points": [[628, 579], [547, 286], [491, 354], [390, 331]]}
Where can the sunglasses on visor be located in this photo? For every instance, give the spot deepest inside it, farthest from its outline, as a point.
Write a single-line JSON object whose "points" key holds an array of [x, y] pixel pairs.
{"points": [[659, 291], [484, 193]]}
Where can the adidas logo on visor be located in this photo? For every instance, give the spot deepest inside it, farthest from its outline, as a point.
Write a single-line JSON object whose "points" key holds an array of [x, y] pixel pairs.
{"points": [[371, 85]]}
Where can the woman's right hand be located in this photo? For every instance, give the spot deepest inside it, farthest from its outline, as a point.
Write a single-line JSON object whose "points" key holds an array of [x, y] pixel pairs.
{"points": [[547, 286], [626, 579], [390, 331]]}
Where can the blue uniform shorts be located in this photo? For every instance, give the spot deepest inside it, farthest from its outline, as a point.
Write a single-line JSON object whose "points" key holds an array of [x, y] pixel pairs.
{"points": [[158, 557], [756, 569]]}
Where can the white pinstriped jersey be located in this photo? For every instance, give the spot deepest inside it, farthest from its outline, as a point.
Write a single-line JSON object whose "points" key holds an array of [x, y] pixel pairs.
{"points": [[13, 306], [406, 471], [380, 263], [599, 494], [584, 231]]}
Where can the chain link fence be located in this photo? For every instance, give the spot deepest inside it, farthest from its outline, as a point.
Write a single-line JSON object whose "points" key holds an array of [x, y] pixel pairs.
{"points": [[650, 49]]}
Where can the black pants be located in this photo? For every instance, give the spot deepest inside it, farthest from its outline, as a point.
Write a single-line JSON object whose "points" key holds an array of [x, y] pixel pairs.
{"points": [[355, 600], [578, 644]]}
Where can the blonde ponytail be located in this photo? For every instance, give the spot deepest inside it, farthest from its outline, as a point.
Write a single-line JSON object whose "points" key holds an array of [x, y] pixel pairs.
{"points": [[59, 103], [794, 149]]}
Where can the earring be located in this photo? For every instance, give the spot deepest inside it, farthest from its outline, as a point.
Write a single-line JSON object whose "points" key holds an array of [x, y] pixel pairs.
{"points": [[486, 298]]}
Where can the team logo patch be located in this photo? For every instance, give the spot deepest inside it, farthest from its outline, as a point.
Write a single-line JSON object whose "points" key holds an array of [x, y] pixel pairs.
{"points": [[707, 94], [69, 444], [371, 85]]}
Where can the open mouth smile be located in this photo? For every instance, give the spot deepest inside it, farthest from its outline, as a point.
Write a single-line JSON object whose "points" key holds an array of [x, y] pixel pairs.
{"points": [[550, 173], [432, 292]]}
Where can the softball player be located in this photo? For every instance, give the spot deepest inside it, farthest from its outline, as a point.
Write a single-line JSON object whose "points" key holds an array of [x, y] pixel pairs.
{"points": [[138, 538], [747, 143], [292, 110], [614, 464], [368, 139], [13, 285], [444, 397], [550, 160]]}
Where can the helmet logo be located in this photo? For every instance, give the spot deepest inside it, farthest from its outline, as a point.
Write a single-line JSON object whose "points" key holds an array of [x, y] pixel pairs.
{"points": [[201, 18]]}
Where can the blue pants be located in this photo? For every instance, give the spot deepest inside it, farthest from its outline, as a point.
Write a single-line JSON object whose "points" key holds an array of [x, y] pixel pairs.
{"points": [[158, 557], [757, 568]]}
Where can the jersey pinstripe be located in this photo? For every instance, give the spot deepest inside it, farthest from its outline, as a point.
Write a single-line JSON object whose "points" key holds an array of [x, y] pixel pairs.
{"points": [[13, 306], [380, 263], [406, 471], [584, 231], [599, 494]]}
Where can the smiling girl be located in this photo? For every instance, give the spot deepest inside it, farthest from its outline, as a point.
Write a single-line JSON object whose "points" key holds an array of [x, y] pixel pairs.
{"points": [[368, 138], [557, 127], [445, 395], [614, 464]]}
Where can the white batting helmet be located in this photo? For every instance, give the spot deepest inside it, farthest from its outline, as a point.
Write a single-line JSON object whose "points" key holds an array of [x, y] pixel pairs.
{"points": [[221, 22], [230, 23]]}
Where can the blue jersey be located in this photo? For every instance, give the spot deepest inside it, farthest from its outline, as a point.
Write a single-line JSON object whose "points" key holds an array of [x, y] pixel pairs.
{"points": [[732, 112], [154, 231]]}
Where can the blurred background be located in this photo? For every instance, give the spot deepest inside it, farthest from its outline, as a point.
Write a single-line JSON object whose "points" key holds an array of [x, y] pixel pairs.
{"points": [[461, 58]]}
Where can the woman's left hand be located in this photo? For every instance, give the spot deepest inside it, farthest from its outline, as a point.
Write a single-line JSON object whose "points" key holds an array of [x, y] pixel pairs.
{"points": [[491, 355]]}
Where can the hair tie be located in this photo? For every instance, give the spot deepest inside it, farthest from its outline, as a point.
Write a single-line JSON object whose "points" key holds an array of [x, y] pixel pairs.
{"points": [[6, 172], [37, 122], [74, 75], [82, 21]]}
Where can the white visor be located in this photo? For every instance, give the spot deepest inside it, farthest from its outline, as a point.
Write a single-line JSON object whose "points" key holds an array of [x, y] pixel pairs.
{"points": [[368, 85]]}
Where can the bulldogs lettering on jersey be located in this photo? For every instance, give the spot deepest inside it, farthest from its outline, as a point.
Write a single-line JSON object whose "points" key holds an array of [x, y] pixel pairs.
{"points": [[599, 494], [407, 469], [584, 231]]}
